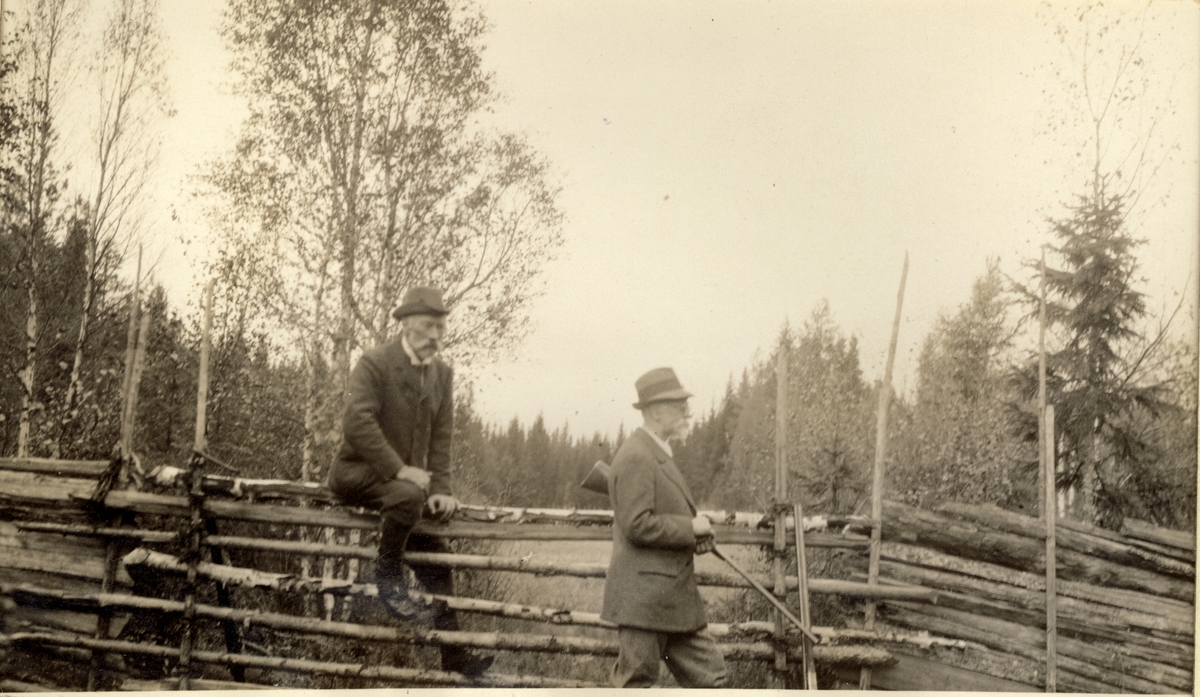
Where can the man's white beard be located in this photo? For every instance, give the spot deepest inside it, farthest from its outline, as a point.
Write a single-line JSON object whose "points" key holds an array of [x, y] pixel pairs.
{"points": [[678, 433]]}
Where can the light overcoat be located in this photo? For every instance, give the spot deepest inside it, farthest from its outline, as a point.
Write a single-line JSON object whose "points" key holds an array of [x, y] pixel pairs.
{"points": [[651, 580], [396, 414]]}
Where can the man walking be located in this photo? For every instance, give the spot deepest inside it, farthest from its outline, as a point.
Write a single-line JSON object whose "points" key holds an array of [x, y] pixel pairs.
{"points": [[395, 457], [651, 592]]}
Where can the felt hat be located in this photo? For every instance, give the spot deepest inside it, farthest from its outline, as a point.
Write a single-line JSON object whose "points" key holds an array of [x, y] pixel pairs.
{"points": [[658, 385], [421, 300]]}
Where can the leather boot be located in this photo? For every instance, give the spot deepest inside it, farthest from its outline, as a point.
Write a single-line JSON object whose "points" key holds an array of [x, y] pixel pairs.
{"points": [[393, 578]]}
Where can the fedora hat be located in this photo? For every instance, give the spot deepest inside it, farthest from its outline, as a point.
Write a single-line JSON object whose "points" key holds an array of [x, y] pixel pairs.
{"points": [[421, 300], [658, 385]]}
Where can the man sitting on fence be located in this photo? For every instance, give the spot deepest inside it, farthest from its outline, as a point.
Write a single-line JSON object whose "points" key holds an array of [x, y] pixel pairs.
{"points": [[651, 591], [395, 456]]}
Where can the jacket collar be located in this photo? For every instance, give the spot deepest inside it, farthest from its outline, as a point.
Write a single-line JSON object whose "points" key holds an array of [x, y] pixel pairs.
{"points": [[667, 464], [418, 377]]}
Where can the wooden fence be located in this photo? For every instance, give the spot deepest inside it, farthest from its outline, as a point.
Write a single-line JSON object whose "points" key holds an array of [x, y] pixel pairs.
{"points": [[960, 599], [77, 562], [1125, 602]]}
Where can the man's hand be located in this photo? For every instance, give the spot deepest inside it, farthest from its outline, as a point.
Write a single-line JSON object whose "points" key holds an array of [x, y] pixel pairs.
{"points": [[416, 475], [442, 506], [701, 526], [705, 544]]}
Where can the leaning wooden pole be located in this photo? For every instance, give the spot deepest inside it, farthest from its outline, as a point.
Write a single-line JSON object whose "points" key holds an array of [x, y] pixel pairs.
{"points": [[1051, 561], [200, 444], [810, 666], [781, 511], [1041, 413], [881, 420], [196, 498], [127, 379]]}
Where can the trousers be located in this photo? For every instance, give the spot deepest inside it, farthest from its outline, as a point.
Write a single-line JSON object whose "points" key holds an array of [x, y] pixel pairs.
{"points": [[692, 657], [400, 504]]}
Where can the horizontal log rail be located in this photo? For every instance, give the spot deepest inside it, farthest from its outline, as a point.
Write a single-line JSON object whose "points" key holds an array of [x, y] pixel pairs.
{"points": [[159, 504], [240, 487], [1116, 597], [294, 665], [1070, 608], [506, 641], [1074, 537], [91, 469], [135, 685], [228, 574], [985, 543], [1096, 662], [253, 578], [1123, 641]]}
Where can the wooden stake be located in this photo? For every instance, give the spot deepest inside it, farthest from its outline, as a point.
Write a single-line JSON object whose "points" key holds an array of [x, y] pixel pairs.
{"points": [[135, 381], [200, 443], [881, 420], [1051, 589], [1042, 393], [810, 666], [130, 346], [196, 499], [781, 464]]}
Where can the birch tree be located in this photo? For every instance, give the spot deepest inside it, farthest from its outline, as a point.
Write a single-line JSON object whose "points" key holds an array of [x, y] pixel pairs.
{"points": [[128, 72], [363, 170], [43, 55]]}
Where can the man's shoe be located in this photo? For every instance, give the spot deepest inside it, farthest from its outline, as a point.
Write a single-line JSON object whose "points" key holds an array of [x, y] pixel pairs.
{"points": [[467, 663]]}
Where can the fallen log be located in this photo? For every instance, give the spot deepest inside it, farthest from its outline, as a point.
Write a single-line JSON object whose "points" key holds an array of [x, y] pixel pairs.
{"points": [[297, 665], [1070, 538], [1103, 663], [912, 525]]}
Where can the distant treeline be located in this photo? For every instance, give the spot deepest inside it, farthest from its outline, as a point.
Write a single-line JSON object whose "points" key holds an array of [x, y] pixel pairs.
{"points": [[311, 255], [961, 435]]}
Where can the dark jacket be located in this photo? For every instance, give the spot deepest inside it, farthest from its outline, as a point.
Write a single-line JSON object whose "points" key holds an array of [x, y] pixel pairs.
{"points": [[651, 580], [396, 414]]}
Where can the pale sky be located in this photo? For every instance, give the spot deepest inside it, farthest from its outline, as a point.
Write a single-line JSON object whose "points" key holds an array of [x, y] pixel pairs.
{"points": [[726, 165]]}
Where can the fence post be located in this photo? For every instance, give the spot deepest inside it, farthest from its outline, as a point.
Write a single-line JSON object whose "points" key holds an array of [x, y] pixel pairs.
{"points": [[780, 510], [196, 498], [1051, 561], [885, 400]]}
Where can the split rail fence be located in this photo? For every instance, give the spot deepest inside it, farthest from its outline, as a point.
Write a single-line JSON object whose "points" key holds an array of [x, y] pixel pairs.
{"points": [[72, 555], [961, 602]]}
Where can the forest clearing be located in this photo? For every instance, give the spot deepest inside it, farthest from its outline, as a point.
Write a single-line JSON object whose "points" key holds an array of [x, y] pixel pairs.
{"points": [[935, 297]]}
